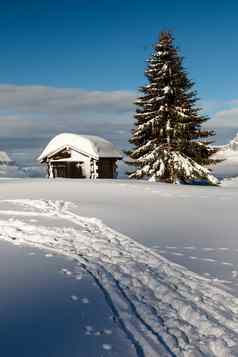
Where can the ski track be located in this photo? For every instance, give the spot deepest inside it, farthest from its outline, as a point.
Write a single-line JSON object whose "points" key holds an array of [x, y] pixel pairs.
{"points": [[163, 308]]}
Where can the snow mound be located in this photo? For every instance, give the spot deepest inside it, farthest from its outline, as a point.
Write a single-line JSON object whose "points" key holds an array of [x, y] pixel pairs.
{"points": [[229, 154], [163, 308], [8, 167], [11, 171], [88, 144], [4, 158]]}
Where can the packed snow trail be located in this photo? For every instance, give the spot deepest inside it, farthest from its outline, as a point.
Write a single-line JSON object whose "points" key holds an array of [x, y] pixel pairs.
{"points": [[163, 308]]}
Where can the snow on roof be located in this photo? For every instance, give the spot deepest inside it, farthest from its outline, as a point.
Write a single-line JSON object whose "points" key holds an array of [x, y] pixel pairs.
{"points": [[4, 158], [88, 144]]}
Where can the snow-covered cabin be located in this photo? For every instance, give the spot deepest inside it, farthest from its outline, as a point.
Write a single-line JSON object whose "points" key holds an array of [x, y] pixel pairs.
{"points": [[80, 156]]}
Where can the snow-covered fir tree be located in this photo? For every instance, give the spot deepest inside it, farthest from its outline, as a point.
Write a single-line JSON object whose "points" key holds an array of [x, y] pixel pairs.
{"points": [[168, 139]]}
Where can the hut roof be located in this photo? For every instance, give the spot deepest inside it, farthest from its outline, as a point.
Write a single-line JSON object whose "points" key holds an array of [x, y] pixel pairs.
{"points": [[90, 145]]}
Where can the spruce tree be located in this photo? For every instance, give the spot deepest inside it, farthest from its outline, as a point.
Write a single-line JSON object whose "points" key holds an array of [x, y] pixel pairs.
{"points": [[168, 138]]}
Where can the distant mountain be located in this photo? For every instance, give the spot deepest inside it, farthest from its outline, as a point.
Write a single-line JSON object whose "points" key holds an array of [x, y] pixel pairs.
{"points": [[8, 168], [233, 145], [229, 154]]}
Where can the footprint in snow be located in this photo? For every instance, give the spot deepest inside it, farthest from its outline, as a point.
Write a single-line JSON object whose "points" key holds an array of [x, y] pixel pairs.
{"points": [[89, 328], [104, 332], [107, 332], [74, 297], [84, 300], [66, 272], [113, 318], [98, 333], [106, 347]]}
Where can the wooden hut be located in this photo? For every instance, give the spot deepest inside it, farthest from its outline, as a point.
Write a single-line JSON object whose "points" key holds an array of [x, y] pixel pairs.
{"points": [[80, 156]]}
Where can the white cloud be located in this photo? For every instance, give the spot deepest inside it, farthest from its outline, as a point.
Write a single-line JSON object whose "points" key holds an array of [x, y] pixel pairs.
{"points": [[43, 99], [213, 106], [41, 112], [226, 118], [44, 111]]}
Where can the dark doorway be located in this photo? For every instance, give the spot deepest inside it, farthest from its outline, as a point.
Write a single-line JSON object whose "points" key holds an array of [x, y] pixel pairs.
{"points": [[106, 168], [67, 169]]}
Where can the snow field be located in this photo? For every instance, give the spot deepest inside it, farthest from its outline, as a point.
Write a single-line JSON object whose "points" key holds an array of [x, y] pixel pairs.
{"points": [[162, 307]]}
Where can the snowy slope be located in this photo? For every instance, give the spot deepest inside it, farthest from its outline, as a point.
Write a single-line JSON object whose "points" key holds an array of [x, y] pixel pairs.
{"points": [[190, 225], [162, 307], [165, 309]]}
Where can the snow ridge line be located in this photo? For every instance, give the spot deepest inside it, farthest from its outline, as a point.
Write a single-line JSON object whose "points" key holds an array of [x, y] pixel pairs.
{"points": [[117, 317], [160, 339], [146, 325], [61, 209], [191, 316]]}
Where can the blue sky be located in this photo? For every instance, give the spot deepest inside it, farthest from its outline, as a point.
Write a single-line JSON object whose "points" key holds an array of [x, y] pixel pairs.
{"points": [[79, 62], [102, 44]]}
